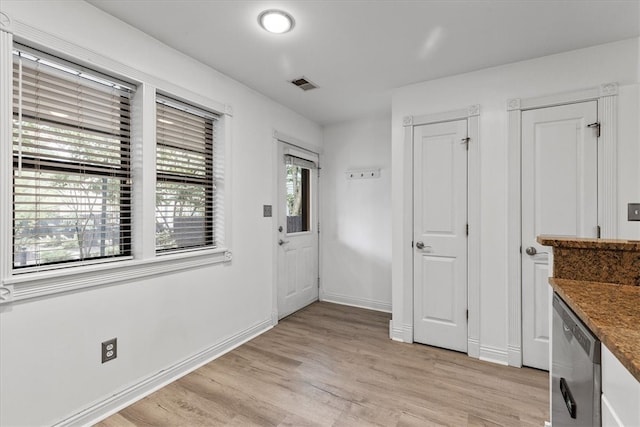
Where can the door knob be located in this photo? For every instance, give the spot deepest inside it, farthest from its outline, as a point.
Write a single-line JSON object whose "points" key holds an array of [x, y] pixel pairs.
{"points": [[533, 251], [282, 242], [421, 245]]}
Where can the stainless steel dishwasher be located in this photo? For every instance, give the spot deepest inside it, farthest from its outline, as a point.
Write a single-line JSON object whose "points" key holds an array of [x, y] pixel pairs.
{"points": [[575, 370]]}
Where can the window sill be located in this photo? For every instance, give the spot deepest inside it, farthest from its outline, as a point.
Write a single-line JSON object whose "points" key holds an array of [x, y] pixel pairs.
{"points": [[33, 285]]}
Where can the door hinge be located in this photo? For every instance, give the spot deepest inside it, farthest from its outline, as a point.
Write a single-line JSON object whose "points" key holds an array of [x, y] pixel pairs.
{"points": [[318, 227], [597, 126], [412, 243], [598, 231], [318, 283], [466, 141], [467, 315], [467, 229]]}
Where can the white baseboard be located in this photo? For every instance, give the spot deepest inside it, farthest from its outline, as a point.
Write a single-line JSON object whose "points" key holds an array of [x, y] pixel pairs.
{"points": [[473, 348], [396, 334], [515, 356], [494, 355], [407, 332], [126, 397], [356, 302]]}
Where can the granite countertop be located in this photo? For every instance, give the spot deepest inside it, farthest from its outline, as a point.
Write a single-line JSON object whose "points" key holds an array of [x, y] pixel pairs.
{"points": [[589, 243], [611, 311]]}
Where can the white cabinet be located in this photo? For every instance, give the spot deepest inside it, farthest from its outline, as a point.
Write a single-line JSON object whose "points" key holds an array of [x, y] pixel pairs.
{"points": [[620, 394]]}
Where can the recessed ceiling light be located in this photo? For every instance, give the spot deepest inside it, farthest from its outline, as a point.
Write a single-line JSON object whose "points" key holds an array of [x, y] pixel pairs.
{"points": [[55, 113], [276, 21]]}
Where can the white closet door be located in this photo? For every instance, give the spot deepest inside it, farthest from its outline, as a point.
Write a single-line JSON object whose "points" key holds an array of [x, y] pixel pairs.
{"points": [[559, 196]]}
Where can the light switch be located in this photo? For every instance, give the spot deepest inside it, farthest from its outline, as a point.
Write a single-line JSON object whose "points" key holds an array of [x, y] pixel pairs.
{"points": [[266, 211], [634, 212]]}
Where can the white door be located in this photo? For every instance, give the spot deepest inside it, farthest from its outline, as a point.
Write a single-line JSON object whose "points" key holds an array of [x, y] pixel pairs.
{"points": [[439, 234], [297, 229], [559, 196]]}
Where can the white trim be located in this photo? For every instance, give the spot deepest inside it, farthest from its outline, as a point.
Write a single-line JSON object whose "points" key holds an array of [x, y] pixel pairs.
{"points": [[558, 99], [34, 285], [395, 333], [404, 306], [446, 116], [473, 348], [275, 217], [606, 96], [128, 396], [6, 157], [407, 332], [5, 22], [608, 162], [291, 140], [225, 189], [369, 304], [514, 266], [473, 219], [143, 142], [493, 354]]}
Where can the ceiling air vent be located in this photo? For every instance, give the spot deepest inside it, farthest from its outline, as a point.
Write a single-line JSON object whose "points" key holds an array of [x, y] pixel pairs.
{"points": [[304, 84]]}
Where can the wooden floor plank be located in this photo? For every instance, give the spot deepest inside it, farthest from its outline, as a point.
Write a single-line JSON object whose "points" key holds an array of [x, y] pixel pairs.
{"points": [[332, 365]]}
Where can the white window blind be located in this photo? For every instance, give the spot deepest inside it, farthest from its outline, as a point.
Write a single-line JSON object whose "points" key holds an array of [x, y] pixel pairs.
{"points": [[185, 177], [71, 163]]}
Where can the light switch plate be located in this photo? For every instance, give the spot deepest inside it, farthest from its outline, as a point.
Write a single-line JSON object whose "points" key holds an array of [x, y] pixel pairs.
{"points": [[634, 212], [266, 211]]}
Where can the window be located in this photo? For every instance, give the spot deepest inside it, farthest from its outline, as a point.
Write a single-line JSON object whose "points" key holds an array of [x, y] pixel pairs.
{"points": [[185, 187], [298, 193], [297, 199], [71, 162]]}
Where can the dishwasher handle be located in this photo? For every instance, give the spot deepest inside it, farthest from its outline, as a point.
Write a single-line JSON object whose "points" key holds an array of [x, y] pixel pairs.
{"points": [[568, 398]]}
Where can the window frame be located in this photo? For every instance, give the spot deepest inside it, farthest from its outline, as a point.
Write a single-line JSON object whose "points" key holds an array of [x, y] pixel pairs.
{"points": [[143, 262]]}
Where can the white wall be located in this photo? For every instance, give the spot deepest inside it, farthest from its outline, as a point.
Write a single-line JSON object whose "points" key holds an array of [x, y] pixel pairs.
{"points": [[50, 347], [491, 88], [356, 214]]}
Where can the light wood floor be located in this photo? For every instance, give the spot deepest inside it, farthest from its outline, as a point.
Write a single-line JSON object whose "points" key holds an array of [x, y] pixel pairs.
{"points": [[334, 365]]}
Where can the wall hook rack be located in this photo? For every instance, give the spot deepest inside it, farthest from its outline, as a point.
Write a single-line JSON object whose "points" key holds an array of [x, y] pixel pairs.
{"points": [[363, 173]]}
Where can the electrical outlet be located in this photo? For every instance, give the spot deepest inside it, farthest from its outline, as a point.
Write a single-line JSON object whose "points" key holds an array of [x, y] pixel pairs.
{"points": [[266, 211], [634, 212], [109, 350]]}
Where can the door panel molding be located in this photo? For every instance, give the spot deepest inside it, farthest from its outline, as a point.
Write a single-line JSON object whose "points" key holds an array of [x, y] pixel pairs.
{"points": [[607, 97], [401, 328]]}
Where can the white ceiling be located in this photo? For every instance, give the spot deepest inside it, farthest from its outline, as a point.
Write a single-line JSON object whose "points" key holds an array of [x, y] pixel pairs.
{"points": [[357, 51]]}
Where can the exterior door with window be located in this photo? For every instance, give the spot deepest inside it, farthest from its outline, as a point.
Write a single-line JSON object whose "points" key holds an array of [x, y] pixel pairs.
{"points": [[439, 234], [560, 197], [297, 229]]}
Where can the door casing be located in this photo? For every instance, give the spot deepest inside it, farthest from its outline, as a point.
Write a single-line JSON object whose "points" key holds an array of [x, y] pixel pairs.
{"points": [[607, 97]]}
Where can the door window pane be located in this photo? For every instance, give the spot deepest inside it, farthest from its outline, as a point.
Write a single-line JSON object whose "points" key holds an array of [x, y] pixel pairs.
{"points": [[298, 192]]}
